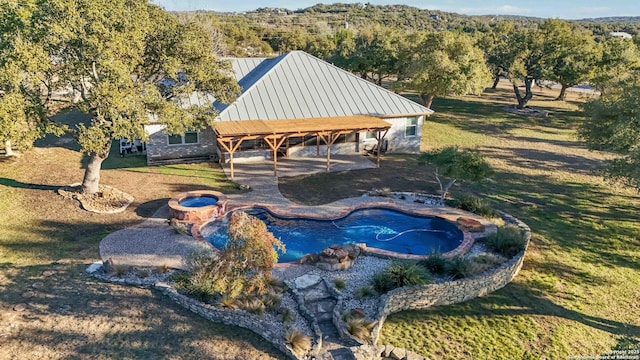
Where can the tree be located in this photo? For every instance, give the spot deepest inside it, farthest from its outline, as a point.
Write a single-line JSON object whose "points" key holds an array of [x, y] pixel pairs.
{"points": [[613, 124], [25, 78], [495, 44], [444, 64], [571, 55], [456, 164], [376, 53], [527, 46], [620, 57], [114, 54]]}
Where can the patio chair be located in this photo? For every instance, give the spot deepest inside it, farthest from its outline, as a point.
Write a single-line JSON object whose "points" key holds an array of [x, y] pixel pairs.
{"points": [[373, 149]]}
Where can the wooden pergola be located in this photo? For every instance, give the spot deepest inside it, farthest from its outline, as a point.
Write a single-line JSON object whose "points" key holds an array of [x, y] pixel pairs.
{"points": [[231, 134]]}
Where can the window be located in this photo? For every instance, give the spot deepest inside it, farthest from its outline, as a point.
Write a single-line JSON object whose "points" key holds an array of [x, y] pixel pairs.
{"points": [[369, 135], [411, 128], [189, 137]]}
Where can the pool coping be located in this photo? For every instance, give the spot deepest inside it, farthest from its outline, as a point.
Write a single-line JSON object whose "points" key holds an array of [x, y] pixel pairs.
{"points": [[344, 207]]}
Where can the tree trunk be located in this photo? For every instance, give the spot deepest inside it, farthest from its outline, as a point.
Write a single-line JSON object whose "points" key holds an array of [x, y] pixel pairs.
{"points": [[523, 100], [91, 179], [563, 93], [8, 148], [427, 99], [496, 79]]}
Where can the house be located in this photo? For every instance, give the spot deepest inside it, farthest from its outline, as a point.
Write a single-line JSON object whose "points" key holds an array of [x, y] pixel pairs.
{"points": [[296, 105]]}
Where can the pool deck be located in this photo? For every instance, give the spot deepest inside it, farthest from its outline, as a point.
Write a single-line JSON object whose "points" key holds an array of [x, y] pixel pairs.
{"points": [[154, 243]]}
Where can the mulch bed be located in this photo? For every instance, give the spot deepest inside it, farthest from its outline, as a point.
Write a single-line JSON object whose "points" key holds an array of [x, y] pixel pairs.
{"points": [[108, 200]]}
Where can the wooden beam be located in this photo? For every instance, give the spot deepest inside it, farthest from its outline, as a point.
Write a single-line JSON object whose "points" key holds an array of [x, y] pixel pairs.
{"points": [[277, 142], [231, 149], [380, 139]]}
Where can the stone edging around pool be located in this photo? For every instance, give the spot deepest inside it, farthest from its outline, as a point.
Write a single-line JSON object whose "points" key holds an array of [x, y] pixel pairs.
{"points": [[446, 213]]}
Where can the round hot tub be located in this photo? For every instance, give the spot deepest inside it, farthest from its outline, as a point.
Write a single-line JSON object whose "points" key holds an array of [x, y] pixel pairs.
{"points": [[197, 206]]}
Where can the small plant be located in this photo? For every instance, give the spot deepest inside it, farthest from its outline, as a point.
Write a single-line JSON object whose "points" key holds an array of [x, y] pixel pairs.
{"points": [[364, 292], [381, 282], [360, 327], [435, 263], [226, 301], [272, 302], [163, 269], [340, 284], [276, 286], [299, 342], [507, 241], [254, 306], [384, 192], [459, 267], [400, 274], [287, 315], [475, 205], [484, 262], [119, 270], [179, 227]]}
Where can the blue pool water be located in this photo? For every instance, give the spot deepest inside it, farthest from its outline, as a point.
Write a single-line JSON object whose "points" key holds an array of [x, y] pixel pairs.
{"points": [[198, 201], [378, 228]]}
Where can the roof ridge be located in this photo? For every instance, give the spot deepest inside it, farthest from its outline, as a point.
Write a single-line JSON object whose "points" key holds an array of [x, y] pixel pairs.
{"points": [[277, 60], [369, 83]]}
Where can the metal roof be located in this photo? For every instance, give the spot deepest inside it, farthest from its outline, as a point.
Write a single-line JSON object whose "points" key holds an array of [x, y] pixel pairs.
{"points": [[298, 85], [295, 126]]}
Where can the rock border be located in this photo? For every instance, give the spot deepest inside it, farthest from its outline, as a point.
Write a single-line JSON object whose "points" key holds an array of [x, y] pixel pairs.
{"points": [[84, 204]]}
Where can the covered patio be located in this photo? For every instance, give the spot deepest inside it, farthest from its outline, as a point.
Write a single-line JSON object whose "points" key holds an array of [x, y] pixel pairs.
{"points": [[275, 133]]}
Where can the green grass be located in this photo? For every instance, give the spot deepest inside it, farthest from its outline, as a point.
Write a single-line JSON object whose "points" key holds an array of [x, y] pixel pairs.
{"points": [[578, 289]]}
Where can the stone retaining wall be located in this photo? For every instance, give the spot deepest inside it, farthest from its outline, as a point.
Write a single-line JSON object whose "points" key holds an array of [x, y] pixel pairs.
{"points": [[451, 292], [239, 318]]}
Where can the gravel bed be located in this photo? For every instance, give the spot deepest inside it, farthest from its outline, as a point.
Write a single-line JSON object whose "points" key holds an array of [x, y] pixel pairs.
{"points": [[299, 323]]}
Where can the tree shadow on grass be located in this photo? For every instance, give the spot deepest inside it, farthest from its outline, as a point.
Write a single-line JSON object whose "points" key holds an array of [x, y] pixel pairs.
{"points": [[539, 159], [72, 315], [20, 185]]}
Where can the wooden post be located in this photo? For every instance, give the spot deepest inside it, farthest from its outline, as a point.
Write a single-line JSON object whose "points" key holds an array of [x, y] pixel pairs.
{"points": [[275, 146], [231, 149], [329, 140]]}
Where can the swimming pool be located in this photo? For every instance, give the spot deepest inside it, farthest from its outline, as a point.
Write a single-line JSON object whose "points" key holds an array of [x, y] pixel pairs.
{"points": [[379, 228]]}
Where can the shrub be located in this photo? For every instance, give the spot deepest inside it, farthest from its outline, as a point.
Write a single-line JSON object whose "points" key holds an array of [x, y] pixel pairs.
{"points": [[459, 267], [435, 263], [364, 292], [475, 205], [276, 286], [299, 342], [508, 241], [119, 270], [484, 262], [340, 284], [254, 306], [400, 274]]}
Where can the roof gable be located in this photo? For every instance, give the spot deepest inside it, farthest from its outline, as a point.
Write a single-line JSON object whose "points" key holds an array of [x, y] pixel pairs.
{"points": [[298, 85]]}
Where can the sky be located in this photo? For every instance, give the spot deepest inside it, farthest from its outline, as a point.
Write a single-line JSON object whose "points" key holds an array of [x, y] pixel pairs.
{"points": [[563, 9]]}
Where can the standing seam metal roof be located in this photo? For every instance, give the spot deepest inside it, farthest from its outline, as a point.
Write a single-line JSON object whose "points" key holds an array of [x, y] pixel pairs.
{"points": [[298, 85]]}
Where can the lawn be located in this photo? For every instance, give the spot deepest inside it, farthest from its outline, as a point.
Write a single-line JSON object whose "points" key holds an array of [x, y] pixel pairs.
{"points": [[50, 308], [578, 291]]}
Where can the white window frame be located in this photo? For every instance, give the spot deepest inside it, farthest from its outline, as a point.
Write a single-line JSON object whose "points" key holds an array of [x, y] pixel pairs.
{"points": [[182, 137], [369, 135], [408, 125]]}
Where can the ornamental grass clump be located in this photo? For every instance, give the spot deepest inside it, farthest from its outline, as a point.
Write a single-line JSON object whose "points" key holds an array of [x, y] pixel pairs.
{"points": [[435, 263], [508, 241], [400, 274], [299, 342], [475, 205], [459, 268]]}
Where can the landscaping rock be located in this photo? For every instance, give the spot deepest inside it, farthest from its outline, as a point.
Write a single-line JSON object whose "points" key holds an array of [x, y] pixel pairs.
{"points": [[398, 354], [337, 257], [387, 350], [20, 307], [48, 273], [470, 225], [28, 294], [37, 285], [307, 281]]}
